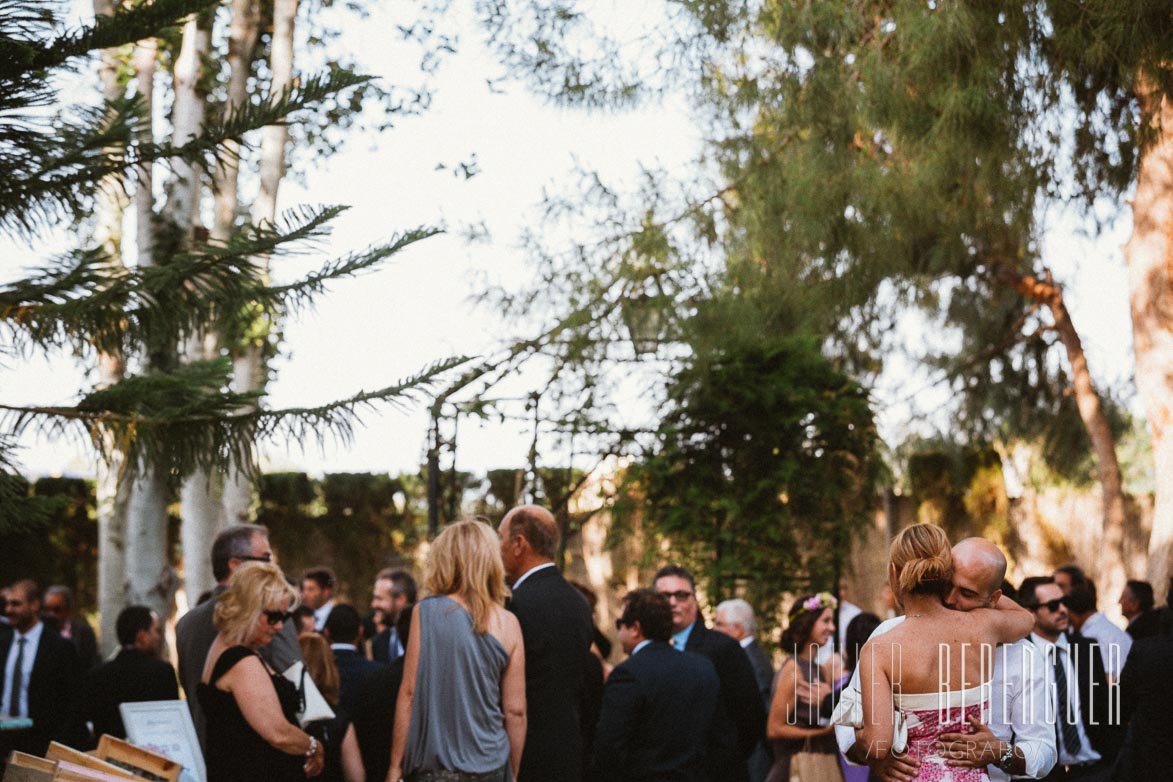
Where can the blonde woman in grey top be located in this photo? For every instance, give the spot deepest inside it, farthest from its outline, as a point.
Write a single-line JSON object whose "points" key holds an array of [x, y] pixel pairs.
{"points": [[461, 712]]}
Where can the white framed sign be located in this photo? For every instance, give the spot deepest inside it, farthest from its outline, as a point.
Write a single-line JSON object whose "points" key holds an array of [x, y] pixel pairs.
{"points": [[165, 727]]}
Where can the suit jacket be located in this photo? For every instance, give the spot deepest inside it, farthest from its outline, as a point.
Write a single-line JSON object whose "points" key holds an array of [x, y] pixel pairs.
{"points": [[353, 672], [659, 707], [53, 690], [82, 636], [1146, 625], [557, 629], [374, 718], [741, 715], [761, 758], [381, 647], [1101, 722], [131, 677], [194, 634], [1145, 684]]}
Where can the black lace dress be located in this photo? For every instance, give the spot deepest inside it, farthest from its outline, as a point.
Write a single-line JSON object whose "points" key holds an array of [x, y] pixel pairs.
{"points": [[234, 750]]}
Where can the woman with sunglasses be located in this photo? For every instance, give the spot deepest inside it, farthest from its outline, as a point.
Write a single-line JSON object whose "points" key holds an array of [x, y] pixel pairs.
{"points": [[251, 709], [460, 716]]}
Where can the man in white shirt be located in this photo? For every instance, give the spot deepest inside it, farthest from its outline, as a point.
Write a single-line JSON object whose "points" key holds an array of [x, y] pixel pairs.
{"points": [[1018, 741], [317, 592], [1083, 710], [1114, 643]]}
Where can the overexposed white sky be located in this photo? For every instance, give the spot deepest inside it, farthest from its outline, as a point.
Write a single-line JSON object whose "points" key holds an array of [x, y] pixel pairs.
{"points": [[369, 332]]}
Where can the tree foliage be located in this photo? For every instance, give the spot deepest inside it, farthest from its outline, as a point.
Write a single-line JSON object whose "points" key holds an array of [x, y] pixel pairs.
{"points": [[762, 467], [173, 415]]}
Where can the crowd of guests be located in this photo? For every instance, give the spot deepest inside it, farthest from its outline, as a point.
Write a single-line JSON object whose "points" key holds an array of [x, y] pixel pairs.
{"points": [[500, 673]]}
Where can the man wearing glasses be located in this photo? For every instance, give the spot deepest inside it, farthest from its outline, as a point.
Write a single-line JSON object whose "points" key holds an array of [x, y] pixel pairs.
{"points": [[741, 716], [658, 705], [196, 631], [1085, 711]]}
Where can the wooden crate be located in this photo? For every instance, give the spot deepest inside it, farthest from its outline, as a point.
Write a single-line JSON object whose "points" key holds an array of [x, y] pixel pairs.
{"points": [[138, 761], [28, 768], [77, 759]]}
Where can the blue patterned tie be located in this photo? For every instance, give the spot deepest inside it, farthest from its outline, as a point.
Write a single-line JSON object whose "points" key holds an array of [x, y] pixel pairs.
{"points": [[1065, 715]]}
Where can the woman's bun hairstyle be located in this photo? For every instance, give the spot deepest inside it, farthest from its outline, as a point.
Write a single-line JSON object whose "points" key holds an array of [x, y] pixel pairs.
{"points": [[923, 560]]}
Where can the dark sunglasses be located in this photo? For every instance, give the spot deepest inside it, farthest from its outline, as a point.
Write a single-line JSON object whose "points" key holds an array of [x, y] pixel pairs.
{"points": [[680, 596], [263, 558], [621, 623], [1050, 605], [276, 617]]}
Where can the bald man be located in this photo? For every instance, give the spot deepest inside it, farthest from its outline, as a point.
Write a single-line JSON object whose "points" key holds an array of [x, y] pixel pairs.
{"points": [[557, 629], [1018, 741]]}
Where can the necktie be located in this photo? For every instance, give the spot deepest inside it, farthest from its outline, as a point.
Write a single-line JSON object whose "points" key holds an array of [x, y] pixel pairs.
{"points": [[1065, 715], [17, 679]]}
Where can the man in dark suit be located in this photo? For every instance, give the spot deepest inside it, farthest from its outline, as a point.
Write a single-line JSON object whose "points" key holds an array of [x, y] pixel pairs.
{"points": [[1145, 685], [741, 717], [1136, 603], [735, 618], [374, 712], [342, 631], [557, 629], [41, 677], [395, 591], [136, 674], [659, 706], [1089, 733], [59, 606], [196, 631]]}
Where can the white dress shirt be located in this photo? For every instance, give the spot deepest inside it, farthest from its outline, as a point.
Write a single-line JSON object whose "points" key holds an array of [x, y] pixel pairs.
{"points": [[1114, 643], [1018, 699], [322, 614], [19, 706], [530, 572]]}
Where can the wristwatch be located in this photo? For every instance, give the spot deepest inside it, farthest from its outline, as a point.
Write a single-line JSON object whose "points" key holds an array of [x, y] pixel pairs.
{"points": [[1007, 758], [313, 750]]}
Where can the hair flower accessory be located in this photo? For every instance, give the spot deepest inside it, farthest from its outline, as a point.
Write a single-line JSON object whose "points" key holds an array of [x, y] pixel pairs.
{"points": [[819, 602]]}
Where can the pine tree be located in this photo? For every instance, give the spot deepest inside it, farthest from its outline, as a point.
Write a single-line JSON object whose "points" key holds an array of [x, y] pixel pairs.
{"points": [[163, 419]]}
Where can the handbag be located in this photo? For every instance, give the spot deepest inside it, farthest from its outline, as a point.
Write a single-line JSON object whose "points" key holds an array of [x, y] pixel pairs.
{"points": [[808, 766], [311, 706]]}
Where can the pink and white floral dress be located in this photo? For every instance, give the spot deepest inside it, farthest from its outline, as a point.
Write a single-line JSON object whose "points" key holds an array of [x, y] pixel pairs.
{"points": [[921, 718]]}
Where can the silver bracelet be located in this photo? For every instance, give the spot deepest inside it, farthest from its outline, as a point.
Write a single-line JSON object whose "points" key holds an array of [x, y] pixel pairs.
{"points": [[313, 750]]}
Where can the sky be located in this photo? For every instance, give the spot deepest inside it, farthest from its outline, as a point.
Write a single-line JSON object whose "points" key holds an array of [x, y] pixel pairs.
{"points": [[369, 332]]}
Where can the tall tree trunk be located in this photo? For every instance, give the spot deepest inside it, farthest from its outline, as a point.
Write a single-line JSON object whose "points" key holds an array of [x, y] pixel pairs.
{"points": [[202, 496], [1111, 573], [1149, 254], [112, 488], [249, 362], [149, 574]]}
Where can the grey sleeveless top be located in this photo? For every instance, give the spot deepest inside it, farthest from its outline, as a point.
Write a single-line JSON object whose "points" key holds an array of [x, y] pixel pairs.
{"points": [[457, 721]]}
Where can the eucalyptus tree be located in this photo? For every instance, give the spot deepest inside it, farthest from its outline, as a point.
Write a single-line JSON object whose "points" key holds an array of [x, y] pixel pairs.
{"points": [[875, 153]]}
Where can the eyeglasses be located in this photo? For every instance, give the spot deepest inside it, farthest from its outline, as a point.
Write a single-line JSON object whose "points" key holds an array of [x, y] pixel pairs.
{"points": [[267, 557], [680, 596], [620, 623], [277, 617], [1050, 605]]}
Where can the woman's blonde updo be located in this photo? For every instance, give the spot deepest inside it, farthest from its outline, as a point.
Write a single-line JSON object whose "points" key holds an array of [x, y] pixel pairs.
{"points": [[253, 588], [465, 560], [923, 560]]}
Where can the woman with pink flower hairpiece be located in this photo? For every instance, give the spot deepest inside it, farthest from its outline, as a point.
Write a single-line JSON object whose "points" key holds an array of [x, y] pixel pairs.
{"points": [[804, 749]]}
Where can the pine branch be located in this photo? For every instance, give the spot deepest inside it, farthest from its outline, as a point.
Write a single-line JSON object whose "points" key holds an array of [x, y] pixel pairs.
{"points": [[183, 419], [86, 299], [58, 168], [127, 25]]}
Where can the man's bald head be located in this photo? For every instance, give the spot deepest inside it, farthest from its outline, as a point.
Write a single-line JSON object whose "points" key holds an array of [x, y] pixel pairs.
{"points": [[979, 568], [537, 526]]}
